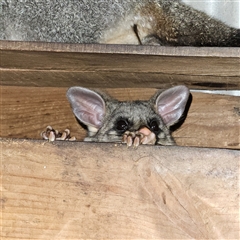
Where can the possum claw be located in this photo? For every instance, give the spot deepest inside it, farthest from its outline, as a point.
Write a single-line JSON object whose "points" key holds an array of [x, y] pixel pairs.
{"points": [[143, 136], [51, 135]]}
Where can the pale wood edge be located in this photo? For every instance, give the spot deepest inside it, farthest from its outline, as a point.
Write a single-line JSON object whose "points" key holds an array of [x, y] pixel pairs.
{"points": [[231, 52]]}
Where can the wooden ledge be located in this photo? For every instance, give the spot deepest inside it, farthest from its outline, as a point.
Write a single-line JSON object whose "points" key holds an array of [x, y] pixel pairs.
{"points": [[94, 65], [105, 191], [232, 52]]}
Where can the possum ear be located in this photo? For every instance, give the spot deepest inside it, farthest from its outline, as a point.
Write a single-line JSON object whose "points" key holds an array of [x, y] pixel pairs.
{"points": [[171, 103], [88, 106]]}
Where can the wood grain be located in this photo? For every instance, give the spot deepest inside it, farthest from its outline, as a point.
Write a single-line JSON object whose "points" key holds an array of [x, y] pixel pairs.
{"points": [[105, 191], [64, 65], [229, 52], [212, 121]]}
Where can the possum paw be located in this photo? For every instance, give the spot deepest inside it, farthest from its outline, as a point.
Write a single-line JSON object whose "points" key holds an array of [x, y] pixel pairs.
{"points": [[52, 135], [143, 136]]}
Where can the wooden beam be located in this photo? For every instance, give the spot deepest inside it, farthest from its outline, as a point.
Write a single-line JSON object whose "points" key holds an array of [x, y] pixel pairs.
{"points": [[64, 65], [212, 121], [224, 52], [106, 191]]}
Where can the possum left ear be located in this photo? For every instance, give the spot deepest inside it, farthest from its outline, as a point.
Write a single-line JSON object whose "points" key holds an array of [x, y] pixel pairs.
{"points": [[87, 105], [171, 103]]}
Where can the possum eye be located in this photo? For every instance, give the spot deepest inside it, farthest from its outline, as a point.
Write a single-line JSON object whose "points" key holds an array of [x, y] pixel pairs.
{"points": [[154, 125], [122, 125]]}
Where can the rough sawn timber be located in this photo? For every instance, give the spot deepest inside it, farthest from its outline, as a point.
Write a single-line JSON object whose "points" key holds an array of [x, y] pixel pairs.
{"points": [[105, 191], [117, 66]]}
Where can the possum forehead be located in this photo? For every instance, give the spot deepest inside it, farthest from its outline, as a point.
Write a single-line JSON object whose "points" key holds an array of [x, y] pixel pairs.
{"points": [[136, 112]]}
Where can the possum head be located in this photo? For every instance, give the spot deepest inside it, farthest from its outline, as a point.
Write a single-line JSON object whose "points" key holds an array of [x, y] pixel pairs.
{"points": [[107, 119]]}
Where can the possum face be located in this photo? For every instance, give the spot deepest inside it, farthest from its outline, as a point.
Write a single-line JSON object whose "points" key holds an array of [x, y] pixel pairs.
{"points": [[108, 119], [132, 117]]}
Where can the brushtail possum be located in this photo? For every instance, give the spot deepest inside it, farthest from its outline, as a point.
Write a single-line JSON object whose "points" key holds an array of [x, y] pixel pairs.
{"points": [[131, 122], [162, 22]]}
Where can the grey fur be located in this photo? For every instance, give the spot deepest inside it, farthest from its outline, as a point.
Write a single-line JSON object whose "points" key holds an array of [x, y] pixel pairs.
{"points": [[138, 114], [163, 22], [75, 21]]}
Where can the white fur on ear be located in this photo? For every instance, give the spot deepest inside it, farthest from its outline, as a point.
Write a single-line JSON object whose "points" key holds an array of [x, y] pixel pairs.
{"points": [[87, 105], [171, 104]]}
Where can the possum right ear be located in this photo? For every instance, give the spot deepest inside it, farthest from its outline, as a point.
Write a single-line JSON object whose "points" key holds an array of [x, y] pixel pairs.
{"points": [[171, 103], [87, 105]]}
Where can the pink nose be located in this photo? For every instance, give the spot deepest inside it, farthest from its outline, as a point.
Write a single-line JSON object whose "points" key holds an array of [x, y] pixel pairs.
{"points": [[144, 131]]}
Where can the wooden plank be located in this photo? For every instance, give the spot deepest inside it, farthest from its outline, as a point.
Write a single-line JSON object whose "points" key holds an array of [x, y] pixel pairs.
{"points": [[228, 52], [105, 191], [61, 65], [212, 121], [116, 79]]}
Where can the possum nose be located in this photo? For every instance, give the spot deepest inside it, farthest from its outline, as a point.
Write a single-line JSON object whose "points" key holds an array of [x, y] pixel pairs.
{"points": [[148, 136], [144, 130]]}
